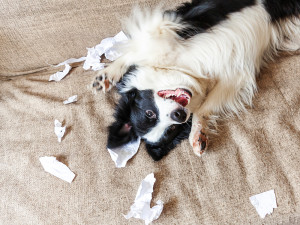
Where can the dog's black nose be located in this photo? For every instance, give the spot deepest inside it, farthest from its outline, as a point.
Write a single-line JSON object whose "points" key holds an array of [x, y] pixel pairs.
{"points": [[179, 115]]}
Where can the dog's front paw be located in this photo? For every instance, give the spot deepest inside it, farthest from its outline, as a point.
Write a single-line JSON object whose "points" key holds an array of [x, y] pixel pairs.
{"points": [[198, 138], [200, 142], [101, 82]]}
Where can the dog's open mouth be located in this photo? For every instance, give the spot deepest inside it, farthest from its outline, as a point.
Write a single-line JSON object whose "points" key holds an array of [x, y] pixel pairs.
{"points": [[180, 95]]}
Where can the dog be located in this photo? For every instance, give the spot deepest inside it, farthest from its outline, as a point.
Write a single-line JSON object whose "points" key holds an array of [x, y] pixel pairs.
{"points": [[183, 69]]}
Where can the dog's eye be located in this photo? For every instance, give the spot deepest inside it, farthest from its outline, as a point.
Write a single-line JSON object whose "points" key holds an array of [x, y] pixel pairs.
{"points": [[150, 114]]}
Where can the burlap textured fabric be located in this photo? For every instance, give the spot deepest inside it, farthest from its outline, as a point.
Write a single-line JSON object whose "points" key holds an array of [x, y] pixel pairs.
{"points": [[253, 154], [34, 34]]}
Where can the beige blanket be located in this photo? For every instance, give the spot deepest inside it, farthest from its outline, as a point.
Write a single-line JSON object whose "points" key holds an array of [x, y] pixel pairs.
{"points": [[254, 153]]}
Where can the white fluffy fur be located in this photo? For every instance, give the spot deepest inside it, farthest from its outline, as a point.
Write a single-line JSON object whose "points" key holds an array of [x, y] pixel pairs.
{"points": [[165, 107], [219, 66]]}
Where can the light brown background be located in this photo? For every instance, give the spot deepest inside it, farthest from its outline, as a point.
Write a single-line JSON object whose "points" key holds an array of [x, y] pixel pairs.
{"points": [[253, 154]]}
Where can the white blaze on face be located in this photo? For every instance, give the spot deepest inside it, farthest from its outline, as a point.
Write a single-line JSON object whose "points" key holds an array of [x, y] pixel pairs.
{"points": [[165, 107]]}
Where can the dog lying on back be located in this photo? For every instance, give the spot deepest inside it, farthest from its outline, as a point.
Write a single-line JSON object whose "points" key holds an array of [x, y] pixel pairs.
{"points": [[198, 61]]}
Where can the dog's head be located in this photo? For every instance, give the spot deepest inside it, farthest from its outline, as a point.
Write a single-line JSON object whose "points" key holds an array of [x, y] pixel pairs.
{"points": [[153, 106]]}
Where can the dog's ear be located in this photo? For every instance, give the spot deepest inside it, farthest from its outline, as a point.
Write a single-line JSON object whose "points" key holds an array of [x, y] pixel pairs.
{"points": [[158, 150], [121, 131], [119, 134]]}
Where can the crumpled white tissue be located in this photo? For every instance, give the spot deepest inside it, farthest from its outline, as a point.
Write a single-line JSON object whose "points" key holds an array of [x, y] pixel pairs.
{"points": [[92, 60], [71, 99], [264, 203], [112, 53], [61, 74], [59, 130], [105, 47], [122, 154], [72, 60], [56, 168], [141, 207]]}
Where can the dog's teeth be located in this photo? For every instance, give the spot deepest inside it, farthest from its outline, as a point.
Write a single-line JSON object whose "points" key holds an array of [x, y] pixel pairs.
{"points": [[170, 95]]}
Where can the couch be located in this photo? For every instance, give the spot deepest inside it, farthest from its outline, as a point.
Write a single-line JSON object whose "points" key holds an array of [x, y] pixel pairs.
{"points": [[254, 153]]}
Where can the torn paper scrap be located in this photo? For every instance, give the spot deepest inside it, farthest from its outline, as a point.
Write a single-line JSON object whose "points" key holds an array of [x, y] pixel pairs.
{"points": [[264, 203], [120, 37], [71, 99], [141, 207], [60, 75], [122, 154], [93, 60], [112, 53], [72, 60], [59, 130], [56, 168], [105, 47]]}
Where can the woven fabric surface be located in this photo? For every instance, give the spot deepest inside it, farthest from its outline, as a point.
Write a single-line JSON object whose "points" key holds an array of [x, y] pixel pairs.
{"points": [[35, 34], [252, 154]]}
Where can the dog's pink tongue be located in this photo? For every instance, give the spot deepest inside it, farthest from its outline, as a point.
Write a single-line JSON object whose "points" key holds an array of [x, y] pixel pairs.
{"points": [[179, 99], [164, 93]]}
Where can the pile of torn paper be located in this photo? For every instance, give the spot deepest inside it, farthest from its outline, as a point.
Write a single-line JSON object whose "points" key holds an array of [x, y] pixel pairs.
{"points": [[264, 203], [91, 61], [93, 58], [141, 207]]}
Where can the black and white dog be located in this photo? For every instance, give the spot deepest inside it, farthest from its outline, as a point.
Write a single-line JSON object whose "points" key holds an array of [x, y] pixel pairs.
{"points": [[200, 59]]}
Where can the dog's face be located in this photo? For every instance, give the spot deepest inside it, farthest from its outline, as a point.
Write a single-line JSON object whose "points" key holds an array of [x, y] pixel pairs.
{"points": [[152, 110]]}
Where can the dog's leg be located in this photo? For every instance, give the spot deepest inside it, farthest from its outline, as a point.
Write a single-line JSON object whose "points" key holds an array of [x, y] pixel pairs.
{"points": [[198, 139], [224, 98], [101, 82], [109, 76]]}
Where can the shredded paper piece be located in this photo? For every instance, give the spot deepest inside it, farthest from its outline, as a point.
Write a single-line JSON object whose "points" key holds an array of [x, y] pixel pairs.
{"points": [[71, 99], [105, 47], [122, 154], [60, 75], [59, 130], [112, 54], [72, 60], [56, 168], [92, 60], [264, 203], [141, 207]]}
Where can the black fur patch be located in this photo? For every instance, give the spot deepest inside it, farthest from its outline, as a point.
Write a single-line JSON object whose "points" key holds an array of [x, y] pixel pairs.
{"points": [[200, 15], [116, 136], [130, 112], [169, 140], [281, 9], [131, 121]]}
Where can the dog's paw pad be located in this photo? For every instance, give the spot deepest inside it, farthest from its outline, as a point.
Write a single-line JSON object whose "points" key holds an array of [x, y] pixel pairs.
{"points": [[102, 83], [200, 142]]}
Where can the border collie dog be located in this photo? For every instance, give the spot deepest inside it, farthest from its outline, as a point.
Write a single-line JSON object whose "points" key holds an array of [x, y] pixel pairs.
{"points": [[183, 69]]}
